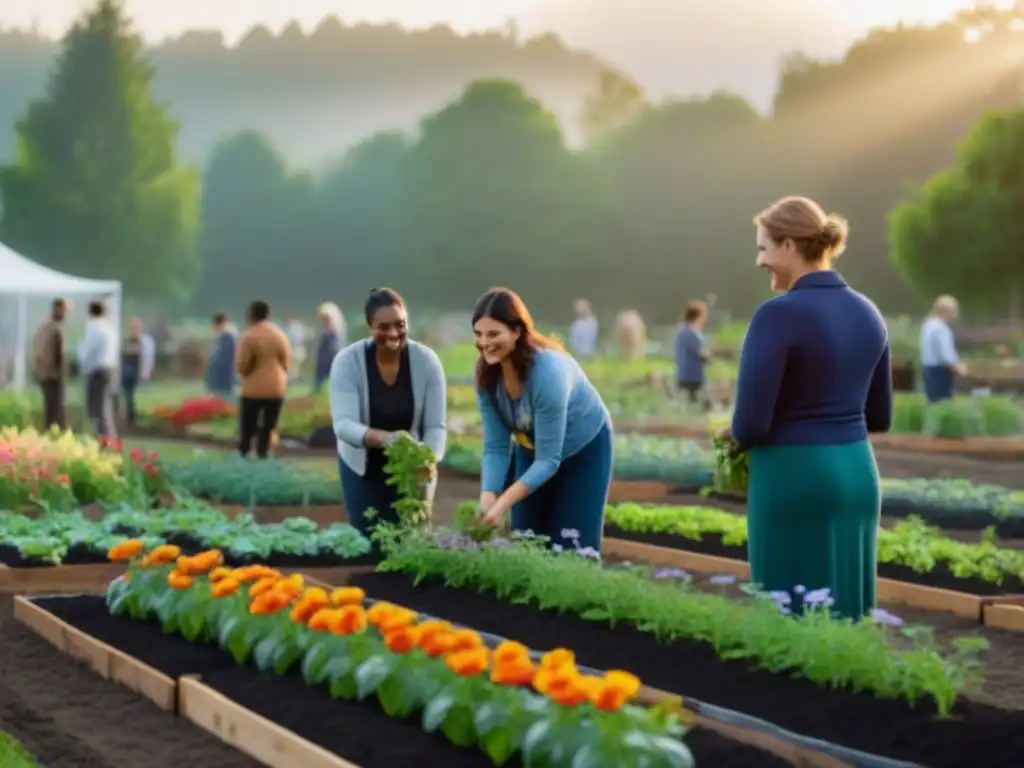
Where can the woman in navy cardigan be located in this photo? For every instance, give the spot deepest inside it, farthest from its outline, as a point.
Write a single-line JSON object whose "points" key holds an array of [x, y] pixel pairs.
{"points": [[547, 433], [815, 378]]}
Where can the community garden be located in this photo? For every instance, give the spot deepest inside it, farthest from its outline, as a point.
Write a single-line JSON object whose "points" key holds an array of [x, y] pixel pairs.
{"points": [[226, 610]]}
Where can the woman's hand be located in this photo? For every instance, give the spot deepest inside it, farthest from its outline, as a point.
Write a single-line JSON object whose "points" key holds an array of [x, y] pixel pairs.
{"points": [[427, 472], [487, 500], [495, 515]]}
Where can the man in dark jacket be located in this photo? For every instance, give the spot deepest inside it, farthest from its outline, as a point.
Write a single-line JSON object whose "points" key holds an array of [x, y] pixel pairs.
{"points": [[49, 364]]}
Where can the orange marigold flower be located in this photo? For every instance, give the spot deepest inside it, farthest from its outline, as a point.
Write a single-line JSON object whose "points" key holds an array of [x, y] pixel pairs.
{"points": [[560, 657], [435, 644], [312, 600], [165, 554], [467, 663], [349, 620], [223, 573], [292, 585], [379, 610], [225, 587], [402, 640], [509, 652], [563, 685], [628, 683], [197, 565], [606, 695], [464, 640], [256, 572], [398, 619], [125, 550], [348, 596], [179, 580], [515, 672], [263, 585], [322, 619], [270, 602]]}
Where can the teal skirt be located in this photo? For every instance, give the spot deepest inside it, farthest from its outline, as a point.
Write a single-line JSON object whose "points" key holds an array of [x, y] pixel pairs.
{"points": [[812, 516]]}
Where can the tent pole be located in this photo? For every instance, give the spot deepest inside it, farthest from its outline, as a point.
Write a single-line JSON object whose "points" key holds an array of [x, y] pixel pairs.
{"points": [[21, 349]]}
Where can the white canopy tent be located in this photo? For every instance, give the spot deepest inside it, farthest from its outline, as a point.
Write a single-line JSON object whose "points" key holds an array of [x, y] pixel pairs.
{"points": [[26, 290]]}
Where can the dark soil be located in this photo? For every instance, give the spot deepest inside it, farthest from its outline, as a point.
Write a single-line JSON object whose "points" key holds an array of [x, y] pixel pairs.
{"points": [[68, 717], [941, 576], [978, 734], [370, 738]]}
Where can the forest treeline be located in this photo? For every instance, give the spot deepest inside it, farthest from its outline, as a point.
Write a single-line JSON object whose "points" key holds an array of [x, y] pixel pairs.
{"points": [[654, 209]]}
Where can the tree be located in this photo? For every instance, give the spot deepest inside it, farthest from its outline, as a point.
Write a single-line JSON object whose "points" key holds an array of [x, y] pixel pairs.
{"points": [[362, 217], [961, 231], [246, 229], [96, 189], [617, 100], [496, 198]]}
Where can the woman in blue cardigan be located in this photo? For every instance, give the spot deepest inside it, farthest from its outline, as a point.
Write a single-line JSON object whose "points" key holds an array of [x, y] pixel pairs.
{"points": [[815, 378], [535, 396]]}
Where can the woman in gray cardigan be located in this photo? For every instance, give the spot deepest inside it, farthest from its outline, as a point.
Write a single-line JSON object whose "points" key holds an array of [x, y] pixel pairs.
{"points": [[380, 387]]}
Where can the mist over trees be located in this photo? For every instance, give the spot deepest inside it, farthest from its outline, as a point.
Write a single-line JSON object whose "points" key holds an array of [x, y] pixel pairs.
{"points": [[480, 186]]}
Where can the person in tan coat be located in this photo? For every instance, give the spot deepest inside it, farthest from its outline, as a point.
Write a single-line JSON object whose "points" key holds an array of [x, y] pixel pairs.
{"points": [[262, 359], [49, 364]]}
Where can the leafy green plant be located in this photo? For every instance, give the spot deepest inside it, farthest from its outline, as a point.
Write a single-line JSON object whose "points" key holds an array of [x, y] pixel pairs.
{"points": [[409, 464], [911, 543], [732, 466], [51, 536], [234, 480], [637, 457], [387, 654], [827, 651]]}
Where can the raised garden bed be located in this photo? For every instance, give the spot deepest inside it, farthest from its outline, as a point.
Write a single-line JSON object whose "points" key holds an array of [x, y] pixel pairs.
{"points": [[977, 734], [993, 448], [1005, 613], [323, 515], [282, 721]]}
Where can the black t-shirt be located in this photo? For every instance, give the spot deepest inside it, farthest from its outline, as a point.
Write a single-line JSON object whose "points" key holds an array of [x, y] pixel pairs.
{"points": [[391, 407]]}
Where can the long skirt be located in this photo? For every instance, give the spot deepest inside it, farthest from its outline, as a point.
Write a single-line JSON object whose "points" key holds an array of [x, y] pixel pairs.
{"points": [[812, 517]]}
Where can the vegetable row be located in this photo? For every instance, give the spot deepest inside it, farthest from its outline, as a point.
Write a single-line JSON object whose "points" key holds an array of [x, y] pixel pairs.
{"points": [[52, 537], [858, 656], [910, 543], [497, 700]]}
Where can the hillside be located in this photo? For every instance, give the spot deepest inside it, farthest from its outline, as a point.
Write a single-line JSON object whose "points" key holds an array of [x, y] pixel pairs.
{"points": [[314, 94]]}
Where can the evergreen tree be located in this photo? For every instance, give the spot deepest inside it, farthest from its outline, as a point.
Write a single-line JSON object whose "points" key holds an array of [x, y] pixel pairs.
{"points": [[96, 189]]}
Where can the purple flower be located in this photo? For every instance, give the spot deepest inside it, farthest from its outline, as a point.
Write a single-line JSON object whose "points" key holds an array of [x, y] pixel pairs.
{"points": [[670, 573], [799, 589], [780, 597], [500, 543], [819, 598], [886, 619], [527, 534], [557, 548], [570, 533], [589, 552], [722, 581]]}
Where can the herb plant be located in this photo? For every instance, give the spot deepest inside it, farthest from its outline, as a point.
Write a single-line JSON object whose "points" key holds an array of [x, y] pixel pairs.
{"points": [[910, 543], [826, 650], [234, 480]]}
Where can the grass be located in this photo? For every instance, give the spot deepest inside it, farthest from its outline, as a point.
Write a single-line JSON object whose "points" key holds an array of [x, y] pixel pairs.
{"points": [[13, 754], [180, 450]]}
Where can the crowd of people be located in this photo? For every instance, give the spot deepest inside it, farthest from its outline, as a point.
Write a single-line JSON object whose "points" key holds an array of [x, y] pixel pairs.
{"points": [[815, 379]]}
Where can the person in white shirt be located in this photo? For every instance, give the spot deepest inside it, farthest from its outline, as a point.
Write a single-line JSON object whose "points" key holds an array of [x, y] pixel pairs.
{"points": [[296, 333], [583, 333], [940, 363], [97, 359], [138, 356]]}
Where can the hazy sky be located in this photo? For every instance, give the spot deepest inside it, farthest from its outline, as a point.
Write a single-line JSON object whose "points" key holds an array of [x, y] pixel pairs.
{"points": [[160, 18]]}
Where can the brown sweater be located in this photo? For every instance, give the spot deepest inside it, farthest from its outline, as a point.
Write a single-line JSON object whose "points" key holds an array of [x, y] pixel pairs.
{"points": [[262, 361], [48, 358]]}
